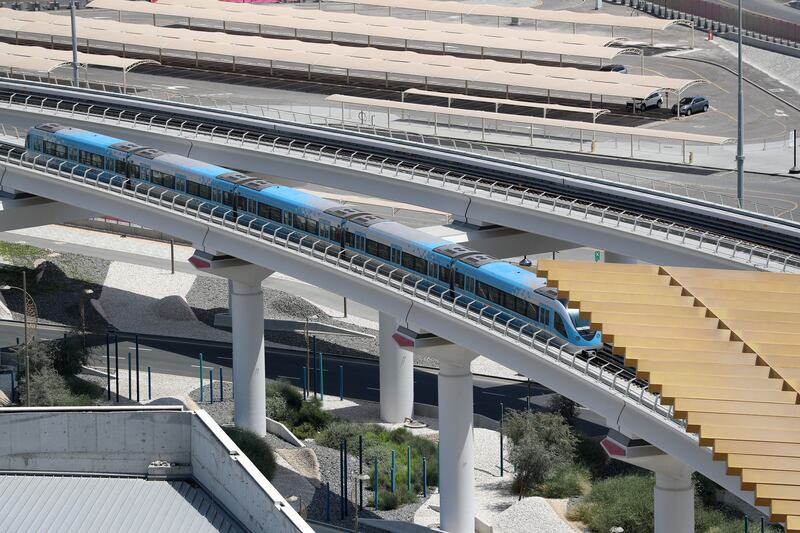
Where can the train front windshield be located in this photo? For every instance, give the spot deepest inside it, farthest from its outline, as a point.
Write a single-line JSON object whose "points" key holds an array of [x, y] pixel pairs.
{"points": [[583, 326]]}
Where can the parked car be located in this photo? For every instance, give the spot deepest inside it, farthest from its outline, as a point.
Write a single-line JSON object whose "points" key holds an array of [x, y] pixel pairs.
{"points": [[622, 69], [691, 104], [655, 99]]}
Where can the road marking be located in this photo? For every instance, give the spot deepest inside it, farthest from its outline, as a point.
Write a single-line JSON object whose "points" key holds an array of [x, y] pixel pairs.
{"points": [[287, 377], [373, 388], [204, 366]]}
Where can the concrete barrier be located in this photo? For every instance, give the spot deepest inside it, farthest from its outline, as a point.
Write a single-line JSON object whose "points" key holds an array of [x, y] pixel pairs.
{"points": [[279, 430]]}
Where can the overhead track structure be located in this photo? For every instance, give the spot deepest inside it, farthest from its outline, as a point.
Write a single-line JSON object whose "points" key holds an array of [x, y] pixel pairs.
{"points": [[655, 225], [18, 58], [497, 102], [342, 31], [721, 347], [192, 47], [483, 116], [523, 13], [625, 403]]}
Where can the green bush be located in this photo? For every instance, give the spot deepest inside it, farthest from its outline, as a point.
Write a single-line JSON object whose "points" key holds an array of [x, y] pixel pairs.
{"points": [[541, 443], [255, 448], [590, 454], [287, 391], [277, 408], [564, 406], [625, 501], [566, 481]]}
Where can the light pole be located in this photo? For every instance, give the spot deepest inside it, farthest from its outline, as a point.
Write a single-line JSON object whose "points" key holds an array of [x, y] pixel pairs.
{"points": [[308, 353], [740, 123], [74, 43], [86, 293], [29, 308], [360, 477]]}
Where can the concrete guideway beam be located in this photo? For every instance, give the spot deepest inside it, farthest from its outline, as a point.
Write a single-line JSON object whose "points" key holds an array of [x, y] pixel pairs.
{"points": [[624, 414], [673, 495], [542, 222], [499, 241], [20, 213], [612, 257], [246, 302], [396, 368]]}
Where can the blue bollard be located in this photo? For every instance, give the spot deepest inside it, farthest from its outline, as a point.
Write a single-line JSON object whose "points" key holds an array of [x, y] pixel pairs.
{"points": [[328, 501], [221, 394], [424, 477], [211, 385], [376, 484], [393, 471], [314, 374], [305, 384], [408, 469], [321, 379], [201, 376], [341, 383], [116, 366], [149, 385]]}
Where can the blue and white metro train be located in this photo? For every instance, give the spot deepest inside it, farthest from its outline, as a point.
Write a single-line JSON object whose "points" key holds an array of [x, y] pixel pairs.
{"points": [[453, 269]]}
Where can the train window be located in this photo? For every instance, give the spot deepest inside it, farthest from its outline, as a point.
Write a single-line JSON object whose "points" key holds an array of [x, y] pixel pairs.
{"points": [[299, 222], [263, 210], [372, 247], [490, 293], [312, 226], [384, 252], [204, 191], [241, 203], [459, 280], [444, 274], [121, 165], [55, 149], [91, 159], [533, 311], [414, 263], [134, 169], [544, 316], [163, 179], [509, 301], [227, 198], [559, 325], [335, 234], [520, 306], [350, 239]]}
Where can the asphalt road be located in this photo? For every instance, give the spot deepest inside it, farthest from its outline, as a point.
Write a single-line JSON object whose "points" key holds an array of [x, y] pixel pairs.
{"points": [[361, 378]]}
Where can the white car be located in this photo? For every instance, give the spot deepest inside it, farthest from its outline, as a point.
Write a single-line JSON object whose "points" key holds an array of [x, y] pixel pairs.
{"points": [[655, 99]]}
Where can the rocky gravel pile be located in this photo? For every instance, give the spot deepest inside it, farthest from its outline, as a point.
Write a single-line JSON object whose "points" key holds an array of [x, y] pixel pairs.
{"points": [[209, 296]]}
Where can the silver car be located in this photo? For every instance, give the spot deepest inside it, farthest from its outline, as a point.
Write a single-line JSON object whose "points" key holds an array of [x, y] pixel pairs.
{"points": [[655, 99]]}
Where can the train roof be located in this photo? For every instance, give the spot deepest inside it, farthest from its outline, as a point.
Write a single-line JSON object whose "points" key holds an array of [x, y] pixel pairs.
{"points": [[193, 166], [81, 136], [513, 274], [394, 231], [298, 198]]}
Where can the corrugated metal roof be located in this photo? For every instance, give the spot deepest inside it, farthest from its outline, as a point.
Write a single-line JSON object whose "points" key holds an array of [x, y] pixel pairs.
{"points": [[81, 503]]}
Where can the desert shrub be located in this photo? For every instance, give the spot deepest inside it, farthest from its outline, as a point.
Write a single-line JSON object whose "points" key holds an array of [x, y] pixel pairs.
{"points": [[590, 454], [284, 389], [564, 407], [541, 443], [567, 480], [624, 501], [255, 448], [277, 409]]}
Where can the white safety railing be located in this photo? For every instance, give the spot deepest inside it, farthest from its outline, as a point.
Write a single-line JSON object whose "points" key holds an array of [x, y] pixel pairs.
{"points": [[750, 254], [537, 342], [494, 150]]}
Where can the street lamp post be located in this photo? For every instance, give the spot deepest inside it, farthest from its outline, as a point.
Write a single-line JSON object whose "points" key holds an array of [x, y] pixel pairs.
{"points": [[360, 477], [29, 308], [74, 43], [86, 293], [740, 122]]}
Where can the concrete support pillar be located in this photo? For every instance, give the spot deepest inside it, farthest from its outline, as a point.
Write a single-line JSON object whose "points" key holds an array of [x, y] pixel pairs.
{"points": [[396, 372], [247, 316], [673, 496], [456, 459], [246, 303], [612, 257], [674, 501]]}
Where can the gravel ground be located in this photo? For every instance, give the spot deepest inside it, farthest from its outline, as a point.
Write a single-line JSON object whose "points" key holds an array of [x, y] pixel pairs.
{"points": [[533, 515], [209, 296], [56, 283]]}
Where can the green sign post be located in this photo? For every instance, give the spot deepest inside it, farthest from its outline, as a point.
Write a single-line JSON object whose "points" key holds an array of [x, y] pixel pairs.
{"points": [[597, 256]]}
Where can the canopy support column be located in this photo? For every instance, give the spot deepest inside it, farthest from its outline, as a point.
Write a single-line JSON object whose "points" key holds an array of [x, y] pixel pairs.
{"points": [[642, 60], [483, 129], [683, 158], [652, 37], [531, 134], [435, 121]]}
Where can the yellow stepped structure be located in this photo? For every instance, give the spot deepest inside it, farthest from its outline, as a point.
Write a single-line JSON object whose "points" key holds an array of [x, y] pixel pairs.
{"points": [[722, 346]]}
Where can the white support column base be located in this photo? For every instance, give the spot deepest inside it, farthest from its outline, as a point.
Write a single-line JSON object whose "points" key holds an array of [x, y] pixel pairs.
{"points": [[456, 457], [396, 366], [674, 501]]}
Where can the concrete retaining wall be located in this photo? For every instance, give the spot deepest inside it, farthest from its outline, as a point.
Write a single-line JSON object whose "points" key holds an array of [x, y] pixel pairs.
{"points": [[126, 440]]}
